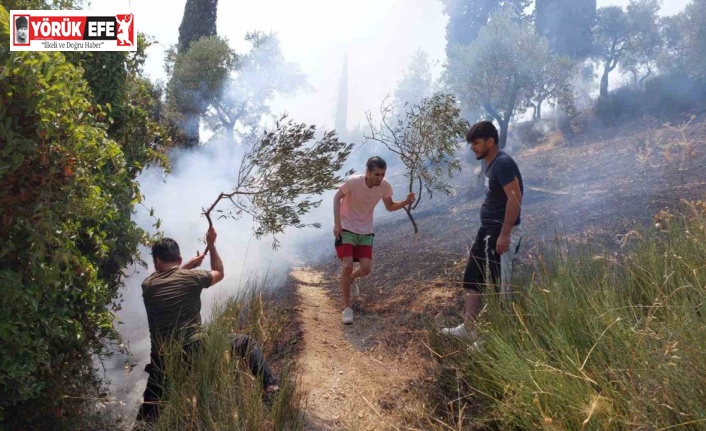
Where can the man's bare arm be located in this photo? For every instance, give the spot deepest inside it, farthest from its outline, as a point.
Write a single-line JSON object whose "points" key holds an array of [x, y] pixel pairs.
{"points": [[512, 209], [217, 273], [391, 205], [194, 262]]}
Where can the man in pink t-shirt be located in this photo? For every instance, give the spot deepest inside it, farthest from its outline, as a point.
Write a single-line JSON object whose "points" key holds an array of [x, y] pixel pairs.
{"points": [[353, 208]]}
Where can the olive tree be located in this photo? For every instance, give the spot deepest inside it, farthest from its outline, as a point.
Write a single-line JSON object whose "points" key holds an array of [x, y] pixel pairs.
{"points": [[498, 70], [280, 175], [425, 137]]}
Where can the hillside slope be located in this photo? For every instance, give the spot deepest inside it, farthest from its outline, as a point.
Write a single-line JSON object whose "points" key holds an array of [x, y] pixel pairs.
{"points": [[595, 188]]}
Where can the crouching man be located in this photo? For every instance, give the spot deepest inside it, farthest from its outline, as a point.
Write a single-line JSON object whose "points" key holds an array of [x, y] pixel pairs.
{"points": [[172, 297]]}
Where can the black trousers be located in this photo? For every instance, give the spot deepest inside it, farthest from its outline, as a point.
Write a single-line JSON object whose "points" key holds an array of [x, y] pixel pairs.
{"points": [[242, 345], [483, 256]]}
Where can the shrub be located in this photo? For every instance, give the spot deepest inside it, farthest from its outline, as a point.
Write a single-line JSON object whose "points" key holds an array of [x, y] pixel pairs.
{"points": [[556, 139], [665, 96], [67, 192]]}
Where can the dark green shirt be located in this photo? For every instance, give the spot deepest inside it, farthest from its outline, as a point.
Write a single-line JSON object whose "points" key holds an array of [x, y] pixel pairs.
{"points": [[173, 303]]}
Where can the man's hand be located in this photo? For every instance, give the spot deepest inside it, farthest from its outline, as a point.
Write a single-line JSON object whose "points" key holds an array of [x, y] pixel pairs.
{"points": [[410, 199], [503, 243], [194, 262], [337, 229], [211, 237]]}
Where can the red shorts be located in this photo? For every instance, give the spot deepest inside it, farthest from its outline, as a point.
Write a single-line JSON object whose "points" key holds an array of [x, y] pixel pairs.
{"points": [[354, 245]]}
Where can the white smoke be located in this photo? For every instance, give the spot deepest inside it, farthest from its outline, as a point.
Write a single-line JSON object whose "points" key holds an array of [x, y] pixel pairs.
{"points": [[178, 200]]}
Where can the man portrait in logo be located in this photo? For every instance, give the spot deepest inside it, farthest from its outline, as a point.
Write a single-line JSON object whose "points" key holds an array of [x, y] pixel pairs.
{"points": [[21, 30]]}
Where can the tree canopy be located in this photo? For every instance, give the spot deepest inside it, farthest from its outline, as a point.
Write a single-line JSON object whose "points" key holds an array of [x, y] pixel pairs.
{"points": [[621, 34], [498, 70], [567, 25], [425, 137]]}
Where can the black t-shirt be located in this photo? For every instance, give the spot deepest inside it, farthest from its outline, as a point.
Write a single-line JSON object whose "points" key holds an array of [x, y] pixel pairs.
{"points": [[501, 172]]}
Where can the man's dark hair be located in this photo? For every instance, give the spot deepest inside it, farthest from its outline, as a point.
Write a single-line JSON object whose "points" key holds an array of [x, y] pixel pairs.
{"points": [[166, 249], [375, 162], [482, 130]]}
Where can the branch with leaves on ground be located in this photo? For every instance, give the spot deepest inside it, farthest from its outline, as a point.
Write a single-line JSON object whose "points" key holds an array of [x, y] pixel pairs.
{"points": [[425, 137], [280, 176]]}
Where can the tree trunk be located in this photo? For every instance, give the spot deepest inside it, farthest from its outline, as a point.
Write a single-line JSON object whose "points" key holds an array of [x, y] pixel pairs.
{"points": [[604, 81], [199, 20], [642, 80], [191, 130], [229, 134], [411, 218], [504, 123]]}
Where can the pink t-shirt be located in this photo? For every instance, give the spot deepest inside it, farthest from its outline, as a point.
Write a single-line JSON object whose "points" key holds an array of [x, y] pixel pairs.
{"points": [[359, 201]]}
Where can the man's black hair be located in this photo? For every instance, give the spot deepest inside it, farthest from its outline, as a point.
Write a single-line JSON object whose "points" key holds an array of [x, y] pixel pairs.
{"points": [[375, 162], [166, 249], [482, 130]]}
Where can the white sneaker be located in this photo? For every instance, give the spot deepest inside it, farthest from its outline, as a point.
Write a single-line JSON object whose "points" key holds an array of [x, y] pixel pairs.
{"points": [[347, 316], [355, 291], [461, 332]]}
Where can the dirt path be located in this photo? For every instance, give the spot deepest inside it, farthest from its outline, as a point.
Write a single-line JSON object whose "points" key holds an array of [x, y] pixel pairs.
{"points": [[351, 386]]}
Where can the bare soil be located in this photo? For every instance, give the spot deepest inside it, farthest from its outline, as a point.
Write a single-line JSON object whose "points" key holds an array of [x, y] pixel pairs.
{"points": [[352, 383]]}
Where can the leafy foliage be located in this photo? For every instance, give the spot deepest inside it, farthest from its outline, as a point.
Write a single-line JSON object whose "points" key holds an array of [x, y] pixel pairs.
{"points": [[498, 69], [567, 25], [467, 17], [255, 78], [230, 91], [66, 195], [416, 84], [425, 138], [199, 21], [280, 175], [620, 33], [685, 42], [197, 77], [641, 60], [553, 85]]}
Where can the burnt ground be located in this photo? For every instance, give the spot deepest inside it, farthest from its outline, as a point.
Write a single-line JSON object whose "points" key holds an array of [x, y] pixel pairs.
{"points": [[596, 188]]}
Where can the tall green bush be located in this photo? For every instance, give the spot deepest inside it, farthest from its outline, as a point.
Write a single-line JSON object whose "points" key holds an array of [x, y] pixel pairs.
{"points": [[67, 191]]}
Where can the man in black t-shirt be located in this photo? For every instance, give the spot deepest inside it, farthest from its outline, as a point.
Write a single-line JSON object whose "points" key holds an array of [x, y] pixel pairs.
{"points": [[499, 236]]}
